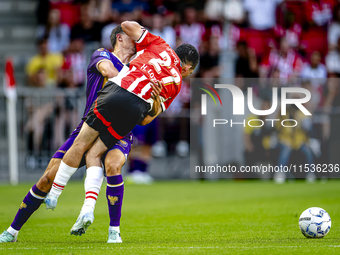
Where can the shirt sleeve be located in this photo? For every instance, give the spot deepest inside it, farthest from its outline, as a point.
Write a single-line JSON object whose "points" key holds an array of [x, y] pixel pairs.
{"points": [[165, 104], [145, 40], [99, 56]]}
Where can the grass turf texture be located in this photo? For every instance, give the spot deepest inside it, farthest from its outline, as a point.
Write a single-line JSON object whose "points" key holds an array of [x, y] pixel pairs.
{"points": [[223, 217]]}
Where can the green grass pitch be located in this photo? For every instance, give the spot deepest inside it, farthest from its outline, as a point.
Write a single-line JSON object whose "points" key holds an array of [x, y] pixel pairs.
{"points": [[182, 217]]}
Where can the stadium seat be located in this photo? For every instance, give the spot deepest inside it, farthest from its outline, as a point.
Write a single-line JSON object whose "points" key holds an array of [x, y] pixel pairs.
{"points": [[314, 40], [296, 7], [259, 40]]}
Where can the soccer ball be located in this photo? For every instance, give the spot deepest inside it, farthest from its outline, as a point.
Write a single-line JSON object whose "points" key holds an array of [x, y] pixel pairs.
{"points": [[315, 222]]}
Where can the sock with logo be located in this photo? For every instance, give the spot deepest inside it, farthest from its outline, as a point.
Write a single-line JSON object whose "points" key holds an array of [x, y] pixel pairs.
{"points": [[114, 195], [29, 205]]}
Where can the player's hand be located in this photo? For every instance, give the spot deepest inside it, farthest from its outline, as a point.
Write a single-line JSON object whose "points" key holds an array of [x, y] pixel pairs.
{"points": [[156, 90]]}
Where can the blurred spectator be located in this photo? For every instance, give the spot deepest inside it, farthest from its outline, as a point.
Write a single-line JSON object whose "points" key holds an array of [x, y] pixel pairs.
{"points": [[174, 128], [333, 60], [58, 34], [234, 11], [190, 31], [42, 11], [165, 32], [213, 9], [334, 30], [215, 30], [291, 30], [134, 7], [266, 85], [87, 29], [258, 141], [332, 101], [44, 65], [246, 62], [295, 139], [315, 71], [286, 60], [66, 117], [100, 10], [261, 13], [209, 61], [73, 72], [105, 35], [37, 124], [319, 12], [106, 31], [69, 11], [333, 92]]}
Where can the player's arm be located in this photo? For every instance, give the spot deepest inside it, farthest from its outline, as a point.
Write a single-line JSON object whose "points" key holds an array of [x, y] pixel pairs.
{"points": [[133, 29], [107, 69], [156, 107]]}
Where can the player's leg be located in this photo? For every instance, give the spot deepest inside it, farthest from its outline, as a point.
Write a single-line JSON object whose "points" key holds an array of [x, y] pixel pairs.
{"points": [[114, 161], [97, 122], [93, 182], [70, 163], [139, 162], [115, 158], [31, 202], [144, 137]]}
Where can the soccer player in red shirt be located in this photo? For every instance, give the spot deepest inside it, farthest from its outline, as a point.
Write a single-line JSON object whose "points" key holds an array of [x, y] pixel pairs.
{"points": [[124, 102]]}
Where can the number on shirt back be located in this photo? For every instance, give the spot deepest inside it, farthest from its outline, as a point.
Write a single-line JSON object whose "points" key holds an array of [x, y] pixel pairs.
{"points": [[165, 61]]}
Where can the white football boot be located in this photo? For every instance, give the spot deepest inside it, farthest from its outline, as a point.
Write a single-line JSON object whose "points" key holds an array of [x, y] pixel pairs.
{"points": [[114, 237], [6, 237], [85, 219], [51, 202]]}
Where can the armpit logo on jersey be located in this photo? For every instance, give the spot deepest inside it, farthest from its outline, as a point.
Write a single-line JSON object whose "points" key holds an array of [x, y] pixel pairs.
{"points": [[302, 96]]}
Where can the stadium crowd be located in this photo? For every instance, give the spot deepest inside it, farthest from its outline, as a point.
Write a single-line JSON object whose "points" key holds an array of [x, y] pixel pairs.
{"points": [[296, 42]]}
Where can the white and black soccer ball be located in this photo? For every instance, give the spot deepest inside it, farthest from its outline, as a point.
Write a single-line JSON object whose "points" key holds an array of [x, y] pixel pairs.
{"points": [[315, 222]]}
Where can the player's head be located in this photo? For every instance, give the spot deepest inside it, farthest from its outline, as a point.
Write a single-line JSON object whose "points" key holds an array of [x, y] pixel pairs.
{"points": [[119, 40], [189, 57]]}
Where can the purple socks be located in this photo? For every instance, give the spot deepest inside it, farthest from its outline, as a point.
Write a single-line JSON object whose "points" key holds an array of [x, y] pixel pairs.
{"points": [[31, 203], [114, 195]]}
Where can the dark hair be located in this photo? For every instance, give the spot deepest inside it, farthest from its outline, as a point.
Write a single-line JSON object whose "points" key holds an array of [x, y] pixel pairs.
{"points": [[188, 54], [113, 37], [42, 40]]}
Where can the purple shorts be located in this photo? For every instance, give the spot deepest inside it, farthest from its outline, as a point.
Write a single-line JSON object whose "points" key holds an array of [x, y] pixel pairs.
{"points": [[124, 145]]}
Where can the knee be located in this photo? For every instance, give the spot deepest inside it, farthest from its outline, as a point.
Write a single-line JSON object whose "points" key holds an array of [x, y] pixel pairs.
{"points": [[113, 167], [45, 183], [92, 158]]}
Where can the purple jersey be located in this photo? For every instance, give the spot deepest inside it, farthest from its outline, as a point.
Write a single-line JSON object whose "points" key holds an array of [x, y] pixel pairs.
{"points": [[95, 82]]}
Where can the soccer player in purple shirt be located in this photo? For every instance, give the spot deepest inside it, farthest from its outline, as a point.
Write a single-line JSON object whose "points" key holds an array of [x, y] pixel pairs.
{"points": [[103, 65]]}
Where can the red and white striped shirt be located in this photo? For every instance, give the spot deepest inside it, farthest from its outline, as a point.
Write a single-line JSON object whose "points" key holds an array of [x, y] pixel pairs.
{"points": [[155, 61]]}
